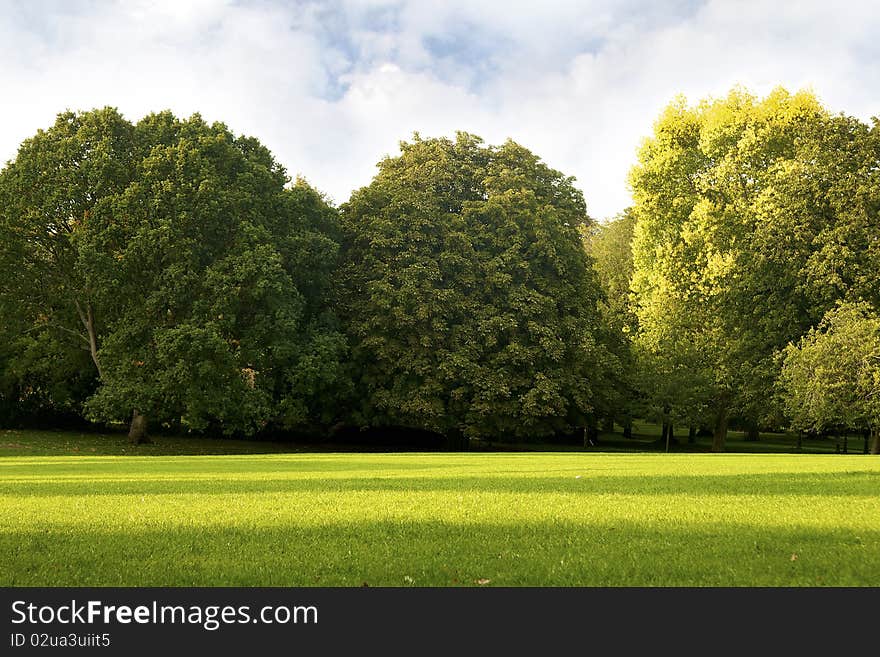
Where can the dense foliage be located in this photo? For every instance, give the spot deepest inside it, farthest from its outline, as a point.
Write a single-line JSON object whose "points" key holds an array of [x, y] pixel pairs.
{"points": [[170, 271], [469, 300], [610, 245], [831, 378], [754, 217], [173, 254]]}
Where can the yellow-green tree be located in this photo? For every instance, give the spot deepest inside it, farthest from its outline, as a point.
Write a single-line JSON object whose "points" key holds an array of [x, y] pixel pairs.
{"points": [[831, 377], [747, 211]]}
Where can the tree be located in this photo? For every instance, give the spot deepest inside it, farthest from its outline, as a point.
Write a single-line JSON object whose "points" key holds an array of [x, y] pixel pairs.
{"points": [[610, 246], [778, 190], [51, 312], [673, 348], [469, 301], [195, 274], [43, 378], [831, 377], [845, 261], [746, 207]]}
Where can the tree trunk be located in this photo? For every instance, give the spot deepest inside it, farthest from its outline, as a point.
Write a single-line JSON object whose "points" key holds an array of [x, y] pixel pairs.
{"points": [[87, 317], [664, 432], [875, 443], [800, 441], [692, 435], [752, 432], [628, 429], [608, 425], [845, 438], [719, 434], [137, 432], [867, 435], [591, 432]]}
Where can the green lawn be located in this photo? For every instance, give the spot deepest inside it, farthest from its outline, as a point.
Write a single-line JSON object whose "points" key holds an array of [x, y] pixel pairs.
{"points": [[490, 519]]}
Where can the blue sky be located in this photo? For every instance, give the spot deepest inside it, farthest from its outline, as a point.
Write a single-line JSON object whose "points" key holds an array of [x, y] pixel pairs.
{"points": [[331, 87]]}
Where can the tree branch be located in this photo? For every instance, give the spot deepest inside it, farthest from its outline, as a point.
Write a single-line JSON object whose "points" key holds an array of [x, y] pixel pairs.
{"points": [[62, 328], [88, 320]]}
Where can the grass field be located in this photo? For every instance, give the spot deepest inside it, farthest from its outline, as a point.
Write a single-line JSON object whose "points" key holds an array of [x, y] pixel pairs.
{"points": [[486, 519]]}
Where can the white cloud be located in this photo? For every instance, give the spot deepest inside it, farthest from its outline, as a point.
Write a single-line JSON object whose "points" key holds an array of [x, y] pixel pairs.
{"points": [[332, 88]]}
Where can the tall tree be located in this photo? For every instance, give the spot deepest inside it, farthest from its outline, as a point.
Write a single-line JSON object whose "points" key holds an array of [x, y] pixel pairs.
{"points": [[756, 201], [675, 354], [469, 300], [48, 196], [196, 276]]}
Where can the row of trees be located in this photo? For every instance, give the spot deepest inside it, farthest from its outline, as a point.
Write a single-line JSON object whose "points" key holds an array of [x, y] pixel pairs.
{"points": [[167, 271], [747, 272], [170, 271]]}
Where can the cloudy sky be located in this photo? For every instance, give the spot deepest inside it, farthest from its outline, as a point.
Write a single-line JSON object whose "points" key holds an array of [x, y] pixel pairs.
{"points": [[331, 87]]}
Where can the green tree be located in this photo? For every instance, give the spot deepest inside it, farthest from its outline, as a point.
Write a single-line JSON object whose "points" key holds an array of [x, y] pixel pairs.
{"points": [[845, 261], [469, 300], [44, 379], [748, 211], [51, 312], [197, 277], [610, 246], [831, 377]]}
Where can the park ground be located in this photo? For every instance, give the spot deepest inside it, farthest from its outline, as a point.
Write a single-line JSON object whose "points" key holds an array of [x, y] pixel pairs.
{"points": [[83, 509]]}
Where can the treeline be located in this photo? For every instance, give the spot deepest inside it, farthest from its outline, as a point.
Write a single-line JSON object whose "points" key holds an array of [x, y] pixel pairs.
{"points": [[169, 274]]}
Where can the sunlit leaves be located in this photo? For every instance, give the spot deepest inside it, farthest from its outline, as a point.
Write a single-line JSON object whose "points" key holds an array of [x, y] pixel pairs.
{"points": [[831, 377]]}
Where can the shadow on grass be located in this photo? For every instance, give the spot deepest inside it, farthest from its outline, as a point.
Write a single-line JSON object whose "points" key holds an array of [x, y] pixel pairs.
{"points": [[432, 553], [855, 483]]}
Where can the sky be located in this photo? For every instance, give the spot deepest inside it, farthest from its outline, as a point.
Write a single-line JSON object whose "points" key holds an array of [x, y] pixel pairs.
{"points": [[333, 87]]}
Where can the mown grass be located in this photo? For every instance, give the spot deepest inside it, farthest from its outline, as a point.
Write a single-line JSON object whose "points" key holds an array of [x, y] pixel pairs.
{"points": [[490, 519]]}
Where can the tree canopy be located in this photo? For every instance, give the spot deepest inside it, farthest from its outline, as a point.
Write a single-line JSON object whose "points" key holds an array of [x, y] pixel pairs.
{"points": [[173, 252], [469, 301], [753, 218], [169, 270]]}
